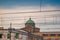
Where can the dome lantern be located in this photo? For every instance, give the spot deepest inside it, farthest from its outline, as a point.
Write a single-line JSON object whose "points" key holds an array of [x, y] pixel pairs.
{"points": [[30, 21]]}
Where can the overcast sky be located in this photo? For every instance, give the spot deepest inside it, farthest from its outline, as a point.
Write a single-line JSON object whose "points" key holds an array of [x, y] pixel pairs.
{"points": [[18, 20]]}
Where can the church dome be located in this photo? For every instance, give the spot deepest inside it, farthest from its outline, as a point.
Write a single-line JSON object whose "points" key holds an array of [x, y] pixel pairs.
{"points": [[30, 21]]}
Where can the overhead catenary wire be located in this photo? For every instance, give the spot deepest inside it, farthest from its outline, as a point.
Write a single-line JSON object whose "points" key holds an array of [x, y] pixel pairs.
{"points": [[32, 18], [30, 12], [21, 12], [41, 1]]}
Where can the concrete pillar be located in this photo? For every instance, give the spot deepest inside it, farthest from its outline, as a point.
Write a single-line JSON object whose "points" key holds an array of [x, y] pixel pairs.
{"points": [[4, 37], [12, 36]]}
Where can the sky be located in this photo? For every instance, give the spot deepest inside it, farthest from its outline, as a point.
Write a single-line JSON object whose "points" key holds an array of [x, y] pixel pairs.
{"points": [[9, 13]]}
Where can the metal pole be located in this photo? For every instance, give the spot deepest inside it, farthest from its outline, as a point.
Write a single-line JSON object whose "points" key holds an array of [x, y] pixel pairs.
{"points": [[40, 4], [1, 21], [10, 30]]}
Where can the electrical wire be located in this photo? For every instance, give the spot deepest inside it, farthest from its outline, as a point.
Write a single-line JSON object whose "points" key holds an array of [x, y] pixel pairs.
{"points": [[31, 12]]}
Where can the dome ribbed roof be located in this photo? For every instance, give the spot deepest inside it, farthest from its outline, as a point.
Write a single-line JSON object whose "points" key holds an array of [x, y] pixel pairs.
{"points": [[30, 21]]}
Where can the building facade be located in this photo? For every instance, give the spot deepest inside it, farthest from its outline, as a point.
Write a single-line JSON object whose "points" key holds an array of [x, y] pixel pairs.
{"points": [[29, 28], [6, 35], [49, 35]]}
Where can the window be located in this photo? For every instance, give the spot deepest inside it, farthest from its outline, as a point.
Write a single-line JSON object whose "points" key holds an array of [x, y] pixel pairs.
{"points": [[58, 34], [17, 36], [0, 35], [45, 34], [53, 34], [8, 36]]}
